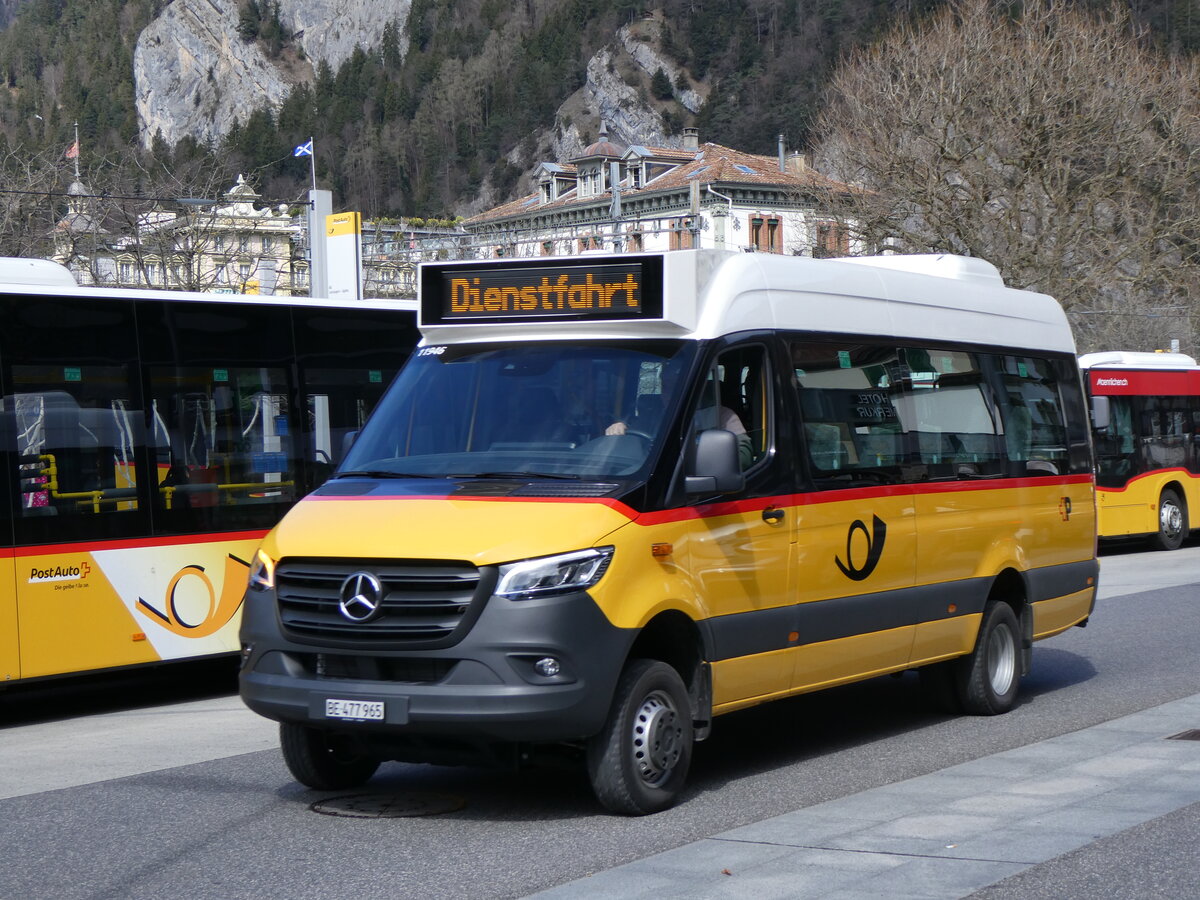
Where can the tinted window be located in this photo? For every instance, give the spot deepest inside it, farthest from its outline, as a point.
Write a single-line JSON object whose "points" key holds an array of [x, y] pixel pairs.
{"points": [[875, 414], [75, 422]]}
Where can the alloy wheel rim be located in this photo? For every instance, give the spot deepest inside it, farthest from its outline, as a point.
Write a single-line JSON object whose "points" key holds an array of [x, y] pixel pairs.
{"points": [[1170, 517]]}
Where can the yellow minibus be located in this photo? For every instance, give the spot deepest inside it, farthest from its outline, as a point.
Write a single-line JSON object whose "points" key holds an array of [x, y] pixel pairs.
{"points": [[610, 498]]}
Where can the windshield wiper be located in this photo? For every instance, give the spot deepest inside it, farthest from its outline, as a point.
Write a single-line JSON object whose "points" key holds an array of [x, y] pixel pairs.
{"points": [[516, 475], [380, 473]]}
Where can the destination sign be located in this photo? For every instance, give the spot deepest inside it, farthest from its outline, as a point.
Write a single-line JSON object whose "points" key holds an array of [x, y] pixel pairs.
{"points": [[1145, 383], [625, 289]]}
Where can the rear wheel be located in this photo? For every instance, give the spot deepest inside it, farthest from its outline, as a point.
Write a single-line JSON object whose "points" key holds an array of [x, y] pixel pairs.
{"points": [[988, 678], [639, 761], [1172, 519], [324, 761]]}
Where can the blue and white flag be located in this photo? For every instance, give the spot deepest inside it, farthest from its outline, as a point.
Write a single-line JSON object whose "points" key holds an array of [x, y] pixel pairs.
{"points": [[304, 149]]}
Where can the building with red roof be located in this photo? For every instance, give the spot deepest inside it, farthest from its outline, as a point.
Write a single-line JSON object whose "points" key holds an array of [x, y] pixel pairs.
{"points": [[636, 198]]}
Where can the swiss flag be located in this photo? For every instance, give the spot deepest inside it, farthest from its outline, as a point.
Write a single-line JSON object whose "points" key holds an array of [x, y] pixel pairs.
{"points": [[73, 150]]}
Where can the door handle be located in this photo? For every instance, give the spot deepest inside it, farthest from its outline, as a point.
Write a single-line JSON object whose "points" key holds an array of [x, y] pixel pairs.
{"points": [[772, 514]]}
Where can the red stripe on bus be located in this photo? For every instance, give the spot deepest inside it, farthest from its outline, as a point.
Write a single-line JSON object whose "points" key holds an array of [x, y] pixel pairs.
{"points": [[850, 495], [756, 504], [133, 543], [1153, 473]]}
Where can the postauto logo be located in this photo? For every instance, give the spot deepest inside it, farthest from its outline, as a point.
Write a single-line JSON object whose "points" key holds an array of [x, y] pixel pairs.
{"points": [[60, 573]]}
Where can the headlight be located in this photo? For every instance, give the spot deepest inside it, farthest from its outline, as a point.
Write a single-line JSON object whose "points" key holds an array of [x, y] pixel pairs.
{"points": [[553, 574], [262, 572]]}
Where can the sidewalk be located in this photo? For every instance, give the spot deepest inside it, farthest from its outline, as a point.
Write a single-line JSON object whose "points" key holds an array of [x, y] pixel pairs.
{"points": [[942, 835], [49, 756]]}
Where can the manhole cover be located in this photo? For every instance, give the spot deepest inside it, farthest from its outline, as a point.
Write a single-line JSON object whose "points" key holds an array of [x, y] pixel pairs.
{"points": [[388, 806], [1190, 735]]}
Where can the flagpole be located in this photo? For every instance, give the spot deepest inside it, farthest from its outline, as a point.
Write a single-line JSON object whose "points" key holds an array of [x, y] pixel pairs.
{"points": [[312, 162]]}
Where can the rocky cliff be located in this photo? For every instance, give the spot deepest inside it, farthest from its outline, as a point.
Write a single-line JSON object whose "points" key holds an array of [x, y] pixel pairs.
{"points": [[616, 92], [194, 75]]}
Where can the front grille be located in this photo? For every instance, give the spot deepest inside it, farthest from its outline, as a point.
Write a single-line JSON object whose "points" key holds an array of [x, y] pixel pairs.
{"points": [[423, 603]]}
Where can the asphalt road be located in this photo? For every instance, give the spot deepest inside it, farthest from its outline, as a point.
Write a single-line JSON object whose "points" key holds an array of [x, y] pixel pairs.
{"points": [[111, 804]]}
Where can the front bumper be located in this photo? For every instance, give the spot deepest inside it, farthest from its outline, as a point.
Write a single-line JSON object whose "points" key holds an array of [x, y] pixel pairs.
{"points": [[484, 688]]}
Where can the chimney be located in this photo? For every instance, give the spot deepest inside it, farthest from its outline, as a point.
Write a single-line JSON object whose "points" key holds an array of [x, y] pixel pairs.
{"points": [[691, 138], [782, 166], [797, 164]]}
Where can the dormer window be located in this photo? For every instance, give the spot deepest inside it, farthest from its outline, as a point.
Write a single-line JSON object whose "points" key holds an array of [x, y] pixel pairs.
{"points": [[635, 177]]}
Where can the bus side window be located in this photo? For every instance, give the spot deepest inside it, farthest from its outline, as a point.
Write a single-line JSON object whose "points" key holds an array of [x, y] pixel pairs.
{"points": [[946, 407], [736, 397], [1031, 410], [223, 444], [77, 440], [848, 401]]}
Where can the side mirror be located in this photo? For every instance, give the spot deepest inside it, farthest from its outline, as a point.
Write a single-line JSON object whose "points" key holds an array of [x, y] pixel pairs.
{"points": [[347, 442], [712, 466], [1100, 414]]}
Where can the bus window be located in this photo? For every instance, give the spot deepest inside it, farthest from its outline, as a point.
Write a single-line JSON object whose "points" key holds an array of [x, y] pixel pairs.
{"points": [[852, 427], [222, 444], [945, 407], [558, 409], [1032, 416], [338, 402], [736, 397], [77, 431]]}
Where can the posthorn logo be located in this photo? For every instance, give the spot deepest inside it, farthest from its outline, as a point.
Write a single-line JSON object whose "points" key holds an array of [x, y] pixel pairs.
{"points": [[873, 540]]}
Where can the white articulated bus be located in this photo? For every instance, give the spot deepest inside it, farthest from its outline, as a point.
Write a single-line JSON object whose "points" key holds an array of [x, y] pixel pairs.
{"points": [[611, 498], [150, 439]]}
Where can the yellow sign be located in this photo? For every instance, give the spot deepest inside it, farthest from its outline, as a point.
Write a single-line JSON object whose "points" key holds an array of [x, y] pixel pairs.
{"points": [[343, 223]]}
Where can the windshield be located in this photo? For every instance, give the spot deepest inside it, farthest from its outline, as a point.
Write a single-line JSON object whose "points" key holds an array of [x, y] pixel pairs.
{"points": [[561, 410]]}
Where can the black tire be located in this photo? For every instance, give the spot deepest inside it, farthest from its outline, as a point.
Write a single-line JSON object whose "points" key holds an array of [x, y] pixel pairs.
{"points": [[1172, 522], [639, 761], [324, 761], [989, 677]]}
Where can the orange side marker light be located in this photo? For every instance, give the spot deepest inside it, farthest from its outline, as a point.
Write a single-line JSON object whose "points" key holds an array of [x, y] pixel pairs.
{"points": [[661, 551], [139, 636]]}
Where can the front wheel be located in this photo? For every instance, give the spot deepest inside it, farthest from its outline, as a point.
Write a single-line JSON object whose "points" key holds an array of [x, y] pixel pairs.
{"points": [[324, 761], [1172, 517], [639, 760], [987, 679]]}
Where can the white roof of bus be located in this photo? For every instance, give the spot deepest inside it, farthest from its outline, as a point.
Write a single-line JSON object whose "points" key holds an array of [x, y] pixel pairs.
{"points": [[47, 278], [15, 270], [708, 293], [1132, 359]]}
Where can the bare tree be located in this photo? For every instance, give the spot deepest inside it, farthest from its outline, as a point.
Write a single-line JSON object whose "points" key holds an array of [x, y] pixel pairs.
{"points": [[1051, 142], [30, 203]]}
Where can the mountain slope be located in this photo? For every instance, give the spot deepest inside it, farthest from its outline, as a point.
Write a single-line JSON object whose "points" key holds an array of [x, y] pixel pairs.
{"points": [[434, 106]]}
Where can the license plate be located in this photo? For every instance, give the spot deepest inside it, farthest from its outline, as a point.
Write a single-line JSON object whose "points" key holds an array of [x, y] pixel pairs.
{"points": [[368, 710]]}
